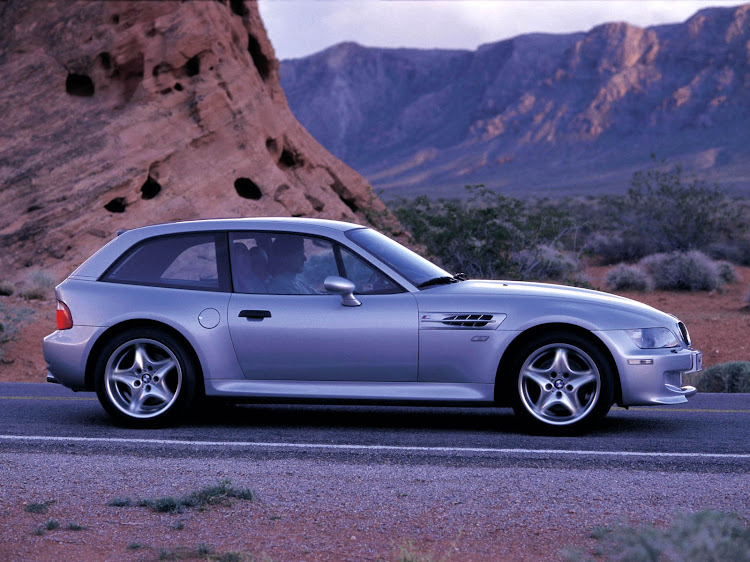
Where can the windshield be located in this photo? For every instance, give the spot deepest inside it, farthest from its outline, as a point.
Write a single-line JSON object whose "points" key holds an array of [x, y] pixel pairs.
{"points": [[409, 265]]}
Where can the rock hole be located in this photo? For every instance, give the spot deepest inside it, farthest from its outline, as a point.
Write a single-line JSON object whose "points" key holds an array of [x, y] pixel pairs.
{"points": [[106, 60], [79, 85], [343, 193], [271, 145], [117, 205], [178, 87], [165, 91], [115, 19], [259, 59], [247, 189], [150, 188], [193, 66], [289, 159], [238, 7], [32, 208]]}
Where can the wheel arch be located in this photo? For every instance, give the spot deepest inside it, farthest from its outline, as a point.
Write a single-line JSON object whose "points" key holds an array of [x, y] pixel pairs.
{"points": [[113, 331], [503, 393]]}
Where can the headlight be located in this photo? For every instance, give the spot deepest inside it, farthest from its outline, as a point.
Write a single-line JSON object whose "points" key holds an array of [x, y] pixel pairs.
{"points": [[653, 338]]}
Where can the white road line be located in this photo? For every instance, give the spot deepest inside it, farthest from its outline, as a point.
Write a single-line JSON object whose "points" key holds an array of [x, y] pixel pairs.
{"points": [[394, 448]]}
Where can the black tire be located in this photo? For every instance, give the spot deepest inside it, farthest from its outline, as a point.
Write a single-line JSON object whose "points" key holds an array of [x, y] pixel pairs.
{"points": [[561, 383], [144, 377]]}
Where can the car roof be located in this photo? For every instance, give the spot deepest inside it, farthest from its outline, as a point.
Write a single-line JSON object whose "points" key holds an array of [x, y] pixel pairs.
{"points": [[241, 224]]}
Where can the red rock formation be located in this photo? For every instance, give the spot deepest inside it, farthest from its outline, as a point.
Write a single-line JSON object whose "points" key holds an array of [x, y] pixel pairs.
{"points": [[120, 114]]}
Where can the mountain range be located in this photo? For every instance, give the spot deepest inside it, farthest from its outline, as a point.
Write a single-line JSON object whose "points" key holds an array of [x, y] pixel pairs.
{"points": [[540, 113]]}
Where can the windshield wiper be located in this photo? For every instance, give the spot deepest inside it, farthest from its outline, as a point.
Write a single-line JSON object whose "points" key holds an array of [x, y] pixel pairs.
{"points": [[442, 280]]}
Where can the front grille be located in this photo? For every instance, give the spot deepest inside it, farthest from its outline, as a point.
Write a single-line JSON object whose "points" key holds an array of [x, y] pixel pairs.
{"points": [[467, 320], [684, 333]]}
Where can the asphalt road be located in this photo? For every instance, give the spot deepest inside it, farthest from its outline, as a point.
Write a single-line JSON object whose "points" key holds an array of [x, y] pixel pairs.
{"points": [[708, 434]]}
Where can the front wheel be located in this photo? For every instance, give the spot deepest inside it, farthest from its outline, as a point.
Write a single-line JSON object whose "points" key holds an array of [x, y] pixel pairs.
{"points": [[145, 377], [563, 383]]}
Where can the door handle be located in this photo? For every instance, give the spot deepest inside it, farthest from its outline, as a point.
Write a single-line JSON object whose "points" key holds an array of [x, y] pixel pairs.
{"points": [[255, 314]]}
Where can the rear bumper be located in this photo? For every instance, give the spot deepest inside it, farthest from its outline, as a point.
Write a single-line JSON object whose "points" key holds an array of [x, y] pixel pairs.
{"points": [[652, 376], [66, 352]]}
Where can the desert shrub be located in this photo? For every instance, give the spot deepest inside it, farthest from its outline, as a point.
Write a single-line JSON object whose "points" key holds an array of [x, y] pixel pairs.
{"points": [[682, 271], [39, 285], [6, 289], [624, 277], [489, 235], [726, 377], [706, 535], [727, 273], [545, 262], [664, 211], [11, 321], [735, 251]]}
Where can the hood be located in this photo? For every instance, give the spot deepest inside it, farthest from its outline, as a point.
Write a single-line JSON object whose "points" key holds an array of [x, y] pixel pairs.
{"points": [[534, 300]]}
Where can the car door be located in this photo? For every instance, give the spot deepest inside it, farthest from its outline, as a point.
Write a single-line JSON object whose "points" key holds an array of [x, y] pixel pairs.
{"points": [[285, 327]]}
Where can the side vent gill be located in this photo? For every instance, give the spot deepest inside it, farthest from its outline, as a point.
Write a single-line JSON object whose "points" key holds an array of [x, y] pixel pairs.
{"points": [[454, 320], [468, 320]]}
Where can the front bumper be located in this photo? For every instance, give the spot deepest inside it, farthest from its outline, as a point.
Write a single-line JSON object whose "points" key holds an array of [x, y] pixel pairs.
{"points": [[652, 376]]}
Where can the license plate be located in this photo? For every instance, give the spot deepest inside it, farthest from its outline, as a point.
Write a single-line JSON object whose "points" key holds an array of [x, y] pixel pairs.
{"points": [[698, 365]]}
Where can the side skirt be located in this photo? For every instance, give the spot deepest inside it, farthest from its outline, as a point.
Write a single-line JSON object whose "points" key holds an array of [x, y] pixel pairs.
{"points": [[351, 391]]}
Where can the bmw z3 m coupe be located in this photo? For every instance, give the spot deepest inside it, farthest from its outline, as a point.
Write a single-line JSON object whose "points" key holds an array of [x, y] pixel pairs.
{"points": [[289, 310]]}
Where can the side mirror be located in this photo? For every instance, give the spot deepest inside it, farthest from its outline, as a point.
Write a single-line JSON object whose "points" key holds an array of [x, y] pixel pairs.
{"points": [[343, 287]]}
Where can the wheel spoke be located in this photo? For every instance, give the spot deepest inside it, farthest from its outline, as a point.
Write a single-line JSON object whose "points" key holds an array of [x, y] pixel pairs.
{"points": [[125, 376], [561, 364], [137, 398], [578, 381], [535, 376], [160, 392], [162, 368]]}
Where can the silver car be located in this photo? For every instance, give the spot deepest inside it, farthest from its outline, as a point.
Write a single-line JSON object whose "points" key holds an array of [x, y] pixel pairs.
{"points": [[319, 310]]}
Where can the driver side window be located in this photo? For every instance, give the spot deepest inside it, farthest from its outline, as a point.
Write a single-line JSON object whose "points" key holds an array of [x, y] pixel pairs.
{"points": [[367, 280]]}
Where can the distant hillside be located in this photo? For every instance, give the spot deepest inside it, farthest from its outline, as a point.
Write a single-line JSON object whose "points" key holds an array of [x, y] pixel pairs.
{"points": [[537, 113]]}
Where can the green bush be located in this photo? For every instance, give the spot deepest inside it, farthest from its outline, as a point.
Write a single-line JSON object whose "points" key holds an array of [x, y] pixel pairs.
{"points": [[735, 251], [545, 262], [696, 537], [624, 277], [726, 377], [682, 271], [490, 236], [727, 273], [664, 212]]}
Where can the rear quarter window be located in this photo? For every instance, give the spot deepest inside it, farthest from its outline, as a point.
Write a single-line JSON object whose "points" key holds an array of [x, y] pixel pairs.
{"points": [[188, 261]]}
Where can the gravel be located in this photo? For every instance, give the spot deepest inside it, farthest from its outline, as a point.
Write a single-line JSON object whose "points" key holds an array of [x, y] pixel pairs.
{"points": [[322, 510]]}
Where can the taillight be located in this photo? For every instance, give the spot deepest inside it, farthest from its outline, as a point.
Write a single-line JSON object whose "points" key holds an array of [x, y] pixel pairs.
{"points": [[64, 317]]}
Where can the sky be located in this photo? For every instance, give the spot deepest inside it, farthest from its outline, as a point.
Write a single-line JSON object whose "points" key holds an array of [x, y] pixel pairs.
{"points": [[298, 28]]}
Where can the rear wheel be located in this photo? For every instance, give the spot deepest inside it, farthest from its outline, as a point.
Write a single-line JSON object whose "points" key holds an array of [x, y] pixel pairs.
{"points": [[563, 382], [145, 377]]}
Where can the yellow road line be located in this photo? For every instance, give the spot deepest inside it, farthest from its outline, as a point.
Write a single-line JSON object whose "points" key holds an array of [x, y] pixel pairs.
{"points": [[45, 398]]}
